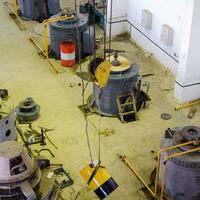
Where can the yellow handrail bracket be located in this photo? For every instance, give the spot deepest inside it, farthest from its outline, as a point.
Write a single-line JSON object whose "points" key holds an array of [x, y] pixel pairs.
{"points": [[15, 7], [187, 104], [45, 23], [154, 193]]}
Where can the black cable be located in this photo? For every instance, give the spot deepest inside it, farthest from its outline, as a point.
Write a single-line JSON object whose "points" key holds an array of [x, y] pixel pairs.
{"points": [[83, 88], [185, 86], [83, 97], [99, 92], [94, 27], [105, 26], [110, 34], [89, 33], [79, 50], [50, 140], [99, 131]]}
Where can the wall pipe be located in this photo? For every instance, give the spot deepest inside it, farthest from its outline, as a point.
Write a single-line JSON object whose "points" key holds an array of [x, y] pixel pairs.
{"points": [[136, 28]]}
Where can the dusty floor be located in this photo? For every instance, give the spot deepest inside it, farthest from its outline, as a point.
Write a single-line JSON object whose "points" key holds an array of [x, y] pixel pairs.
{"points": [[24, 73]]}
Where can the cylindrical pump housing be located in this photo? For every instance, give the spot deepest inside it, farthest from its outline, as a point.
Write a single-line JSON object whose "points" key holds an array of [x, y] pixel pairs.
{"points": [[182, 172], [66, 30], [38, 9], [122, 81]]}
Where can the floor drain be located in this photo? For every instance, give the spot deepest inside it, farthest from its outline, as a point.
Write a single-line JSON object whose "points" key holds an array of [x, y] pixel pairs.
{"points": [[165, 116]]}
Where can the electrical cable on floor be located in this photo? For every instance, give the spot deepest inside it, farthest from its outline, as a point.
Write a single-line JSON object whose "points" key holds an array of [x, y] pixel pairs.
{"points": [[76, 195]]}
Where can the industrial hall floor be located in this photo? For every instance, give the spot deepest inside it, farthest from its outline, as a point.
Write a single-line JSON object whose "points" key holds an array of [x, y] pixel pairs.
{"points": [[25, 73]]}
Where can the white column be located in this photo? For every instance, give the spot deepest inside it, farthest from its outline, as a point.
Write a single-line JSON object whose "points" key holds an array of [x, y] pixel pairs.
{"points": [[187, 86], [119, 11]]}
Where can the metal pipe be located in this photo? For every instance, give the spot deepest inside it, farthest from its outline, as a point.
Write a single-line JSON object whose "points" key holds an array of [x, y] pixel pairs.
{"points": [[124, 159], [188, 85], [188, 104], [37, 45], [15, 5], [137, 29], [45, 40], [41, 50], [16, 15]]}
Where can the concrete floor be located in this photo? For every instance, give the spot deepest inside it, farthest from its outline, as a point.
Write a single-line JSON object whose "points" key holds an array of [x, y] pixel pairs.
{"points": [[24, 73]]}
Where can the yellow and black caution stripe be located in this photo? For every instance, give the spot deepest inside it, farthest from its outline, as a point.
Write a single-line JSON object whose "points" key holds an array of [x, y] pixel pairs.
{"points": [[99, 180]]}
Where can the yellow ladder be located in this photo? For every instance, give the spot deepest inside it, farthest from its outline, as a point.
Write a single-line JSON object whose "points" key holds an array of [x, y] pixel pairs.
{"points": [[124, 102]]}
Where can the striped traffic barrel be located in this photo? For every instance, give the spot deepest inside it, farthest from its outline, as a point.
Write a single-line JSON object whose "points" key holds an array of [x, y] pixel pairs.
{"points": [[67, 53]]}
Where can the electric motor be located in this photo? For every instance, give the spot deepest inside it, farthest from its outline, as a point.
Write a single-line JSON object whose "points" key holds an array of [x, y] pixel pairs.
{"points": [[38, 9], [66, 30], [20, 176], [124, 79], [182, 179]]}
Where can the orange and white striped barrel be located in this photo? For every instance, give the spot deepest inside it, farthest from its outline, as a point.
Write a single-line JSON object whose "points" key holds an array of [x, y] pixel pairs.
{"points": [[67, 53]]}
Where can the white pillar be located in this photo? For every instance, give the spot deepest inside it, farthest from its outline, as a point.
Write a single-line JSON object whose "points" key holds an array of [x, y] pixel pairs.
{"points": [[187, 86], [119, 12]]}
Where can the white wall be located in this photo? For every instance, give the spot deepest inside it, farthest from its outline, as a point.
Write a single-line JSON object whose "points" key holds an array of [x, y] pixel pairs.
{"points": [[164, 12]]}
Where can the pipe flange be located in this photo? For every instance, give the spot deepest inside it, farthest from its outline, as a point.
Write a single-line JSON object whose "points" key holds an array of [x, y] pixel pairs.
{"points": [[187, 134], [183, 135]]}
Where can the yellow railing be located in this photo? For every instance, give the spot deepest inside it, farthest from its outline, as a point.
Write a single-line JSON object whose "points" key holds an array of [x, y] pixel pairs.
{"points": [[166, 158], [158, 160], [188, 104], [165, 163], [45, 23], [15, 7]]}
